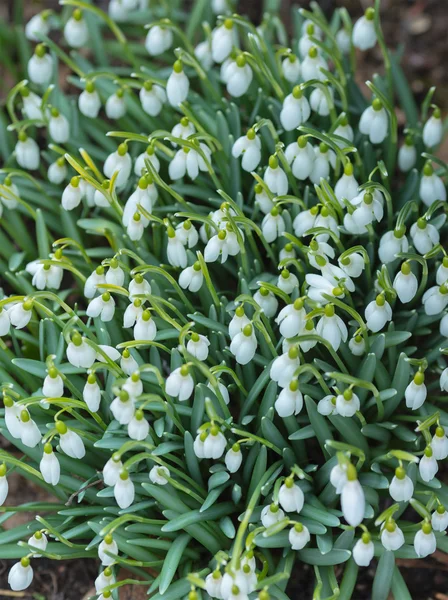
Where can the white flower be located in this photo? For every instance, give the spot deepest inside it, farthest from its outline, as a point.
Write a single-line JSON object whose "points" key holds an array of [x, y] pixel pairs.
{"points": [[115, 274], [122, 407], [80, 353], [12, 415], [343, 40], [198, 346], [104, 579], [401, 487], [338, 475], [4, 486], [347, 186], [176, 253], [432, 187], [298, 536], [321, 102], [233, 458], [187, 160], [145, 327], [89, 102], [222, 245], [276, 178], [290, 496], [49, 466], [304, 221], [159, 475], [119, 162], [38, 24], [439, 444], [428, 466], [192, 278], [357, 345], [295, 110], [38, 540], [262, 199], [124, 490], [425, 541], [95, 279], [392, 537], [214, 444], [271, 514], [158, 40], [244, 345], [57, 171], [249, 146], [150, 156], [31, 104], [352, 499], [20, 314], [433, 130], [435, 299], [407, 155], [111, 470], [115, 105], [305, 42], [72, 194], [109, 546], [291, 319], [178, 85], [70, 442], [312, 65], [45, 275], [21, 575], [353, 264], [391, 243], [301, 156], [53, 386], [405, 283], [287, 281], [416, 392], [203, 52], [91, 393], [239, 76], [40, 66], [267, 301], [223, 39], [291, 68], [213, 583], [363, 551], [444, 380], [180, 383], [332, 328], [139, 287], [102, 306], [284, 366], [76, 32], [368, 207], [424, 236], [152, 97], [183, 130], [222, 388], [273, 225], [378, 313], [364, 34], [27, 152], [439, 519], [344, 130], [321, 166], [442, 271], [128, 362], [347, 404]]}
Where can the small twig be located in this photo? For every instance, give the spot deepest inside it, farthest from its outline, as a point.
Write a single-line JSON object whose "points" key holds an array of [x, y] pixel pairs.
{"points": [[86, 487]]}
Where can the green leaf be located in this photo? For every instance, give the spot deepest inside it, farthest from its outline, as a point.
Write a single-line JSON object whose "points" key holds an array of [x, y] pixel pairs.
{"points": [[383, 576], [172, 560]]}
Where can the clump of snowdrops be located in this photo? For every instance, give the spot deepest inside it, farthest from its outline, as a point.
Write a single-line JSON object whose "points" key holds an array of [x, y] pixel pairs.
{"points": [[224, 313]]}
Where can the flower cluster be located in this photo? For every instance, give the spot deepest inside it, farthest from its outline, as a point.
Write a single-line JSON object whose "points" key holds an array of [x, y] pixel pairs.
{"points": [[223, 348]]}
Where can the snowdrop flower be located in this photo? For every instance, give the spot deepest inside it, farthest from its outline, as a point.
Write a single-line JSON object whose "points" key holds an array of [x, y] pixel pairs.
{"points": [[238, 322], [312, 65], [439, 519], [121, 162], [262, 200], [290, 496], [439, 444], [363, 550], [444, 380], [20, 314], [424, 236], [176, 253], [115, 105], [183, 130], [4, 486], [298, 536], [122, 407], [139, 287], [433, 130], [287, 281], [223, 390], [289, 401], [352, 498], [428, 466], [244, 345], [215, 443], [222, 245], [223, 39], [124, 490], [416, 392], [324, 158], [117, 10], [378, 313], [273, 225], [275, 178], [344, 130], [31, 104], [213, 583], [320, 284], [364, 34], [112, 469], [57, 171], [432, 187], [40, 66], [72, 194], [425, 541], [347, 186], [352, 264], [152, 98], [442, 271], [405, 283], [238, 77], [158, 40], [284, 367], [80, 353], [53, 386], [357, 345], [291, 68], [145, 327], [407, 155], [267, 301], [178, 85], [89, 102], [187, 160], [149, 155], [70, 442], [203, 52], [134, 385], [27, 152], [192, 278], [109, 546], [115, 274], [301, 156], [368, 207], [38, 540], [95, 279], [233, 458], [401, 487], [5, 323], [374, 122], [435, 299], [343, 40], [295, 110], [38, 24], [291, 319], [305, 42], [392, 537], [104, 579], [187, 234], [12, 416], [249, 146], [180, 383], [49, 466], [144, 197], [321, 102], [198, 346], [271, 514], [76, 32], [305, 220], [45, 276], [338, 475], [198, 444], [91, 393], [103, 307], [392, 243], [20, 575], [308, 329], [347, 404]]}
